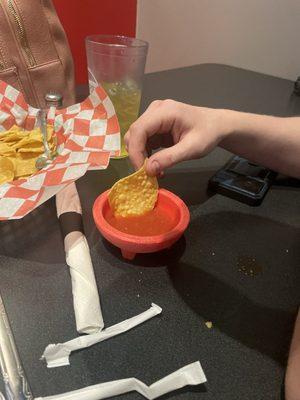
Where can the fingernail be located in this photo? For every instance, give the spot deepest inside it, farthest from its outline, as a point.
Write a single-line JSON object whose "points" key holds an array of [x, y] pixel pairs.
{"points": [[155, 167]]}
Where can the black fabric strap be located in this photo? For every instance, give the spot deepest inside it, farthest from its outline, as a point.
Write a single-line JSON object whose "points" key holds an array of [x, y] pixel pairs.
{"points": [[70, 222]]}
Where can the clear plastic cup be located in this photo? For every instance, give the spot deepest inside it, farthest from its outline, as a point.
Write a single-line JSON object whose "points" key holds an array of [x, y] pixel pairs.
{"points": [[117, 63]]}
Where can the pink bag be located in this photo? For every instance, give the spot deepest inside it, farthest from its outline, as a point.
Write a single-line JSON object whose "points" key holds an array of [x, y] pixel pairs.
{"points": [[35, 57]]}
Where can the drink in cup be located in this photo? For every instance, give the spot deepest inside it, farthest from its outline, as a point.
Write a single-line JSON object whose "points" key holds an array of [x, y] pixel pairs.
{"points": [[117, 63]]}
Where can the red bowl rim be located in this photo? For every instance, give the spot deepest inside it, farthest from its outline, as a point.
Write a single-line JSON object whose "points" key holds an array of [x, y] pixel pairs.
{"points": [[179, 228]]}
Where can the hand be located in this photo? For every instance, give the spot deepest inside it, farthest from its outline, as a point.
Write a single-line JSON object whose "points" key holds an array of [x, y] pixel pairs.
{"points": [[187, 132]]}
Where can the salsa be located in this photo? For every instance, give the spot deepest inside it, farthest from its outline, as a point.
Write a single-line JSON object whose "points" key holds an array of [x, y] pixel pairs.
{"points": [[155, 222]]}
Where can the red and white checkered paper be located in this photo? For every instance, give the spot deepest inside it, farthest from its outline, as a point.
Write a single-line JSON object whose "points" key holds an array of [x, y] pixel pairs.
{"points": [[88, 135]]}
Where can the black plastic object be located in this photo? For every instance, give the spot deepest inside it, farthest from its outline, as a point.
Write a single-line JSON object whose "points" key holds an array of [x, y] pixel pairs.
{"points": [[297, 86], [243, 181]]}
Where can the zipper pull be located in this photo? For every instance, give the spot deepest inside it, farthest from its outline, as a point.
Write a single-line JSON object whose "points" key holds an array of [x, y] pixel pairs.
{"points": [[54, 100]]}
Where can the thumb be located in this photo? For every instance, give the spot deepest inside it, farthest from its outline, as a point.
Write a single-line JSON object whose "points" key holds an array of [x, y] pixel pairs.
{"points": [[166, 158]]}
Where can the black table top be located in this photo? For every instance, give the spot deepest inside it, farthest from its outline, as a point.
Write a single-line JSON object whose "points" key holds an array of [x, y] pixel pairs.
{"points": [[198, 280]]}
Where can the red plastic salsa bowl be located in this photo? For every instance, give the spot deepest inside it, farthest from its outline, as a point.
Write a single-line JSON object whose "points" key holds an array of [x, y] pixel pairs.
{"points": [[167, 203]]}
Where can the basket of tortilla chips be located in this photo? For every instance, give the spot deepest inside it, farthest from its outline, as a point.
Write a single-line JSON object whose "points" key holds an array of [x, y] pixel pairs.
{"points": [[81, 137]]}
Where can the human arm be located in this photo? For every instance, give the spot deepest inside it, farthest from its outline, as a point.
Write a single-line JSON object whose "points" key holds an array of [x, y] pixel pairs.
{"points": [[190, 132]]}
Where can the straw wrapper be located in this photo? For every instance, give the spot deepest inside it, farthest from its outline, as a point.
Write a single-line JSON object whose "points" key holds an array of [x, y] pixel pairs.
{"points": [[57, 355], [191, 374], [87, 134]]}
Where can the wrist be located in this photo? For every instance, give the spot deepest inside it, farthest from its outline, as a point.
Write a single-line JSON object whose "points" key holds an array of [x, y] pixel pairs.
{"points": [[242, 123], [228, 121]]}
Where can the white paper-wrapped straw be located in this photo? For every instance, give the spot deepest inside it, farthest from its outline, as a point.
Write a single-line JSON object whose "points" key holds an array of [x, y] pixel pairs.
{"points": [[57, 355], [191, 374]]}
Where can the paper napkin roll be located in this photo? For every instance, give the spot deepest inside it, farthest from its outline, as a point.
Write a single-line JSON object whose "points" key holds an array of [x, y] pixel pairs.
{"points": [[85, 294], [86, 300]]}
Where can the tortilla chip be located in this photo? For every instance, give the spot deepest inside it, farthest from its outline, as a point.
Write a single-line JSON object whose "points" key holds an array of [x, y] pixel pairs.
{"points": [[25, 166], [21, 149], [6, 150], [32, 148], [6, 170], [134, 195]]}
